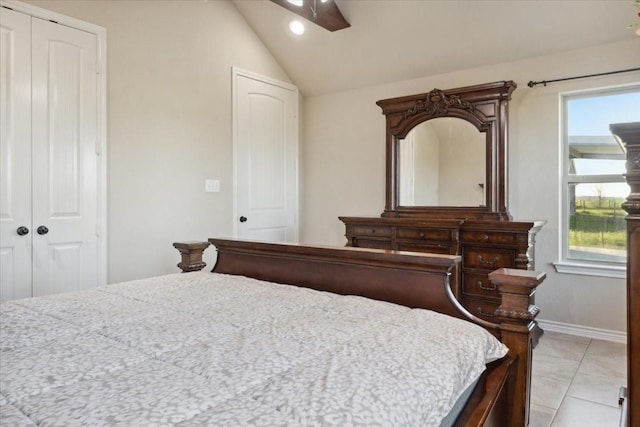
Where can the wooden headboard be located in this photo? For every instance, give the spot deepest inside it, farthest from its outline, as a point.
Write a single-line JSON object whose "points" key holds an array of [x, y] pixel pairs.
{"points": [[629, 134], [412, 280]]}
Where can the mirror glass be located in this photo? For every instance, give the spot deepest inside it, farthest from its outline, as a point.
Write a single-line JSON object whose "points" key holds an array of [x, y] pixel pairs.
{"points": [[442, 162]]}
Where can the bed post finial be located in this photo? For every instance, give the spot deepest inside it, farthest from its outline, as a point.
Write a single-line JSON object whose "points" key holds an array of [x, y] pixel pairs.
{"points": [[191, 255], [516, 314]]}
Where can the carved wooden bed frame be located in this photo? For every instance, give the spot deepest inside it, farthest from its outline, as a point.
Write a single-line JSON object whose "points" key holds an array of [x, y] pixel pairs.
{"points": [[629, 134], [416, 280]]}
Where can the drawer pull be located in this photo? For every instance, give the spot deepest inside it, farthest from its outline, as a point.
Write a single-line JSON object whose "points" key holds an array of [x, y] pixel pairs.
{"points": [[421, 235], [490, 263], [485, 314], [486, 288], [485, 237], [373, 231]]}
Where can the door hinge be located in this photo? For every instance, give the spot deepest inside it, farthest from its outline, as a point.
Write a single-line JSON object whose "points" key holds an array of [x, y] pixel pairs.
{"points": [[98, 151], [97, 230], [97, 68]]}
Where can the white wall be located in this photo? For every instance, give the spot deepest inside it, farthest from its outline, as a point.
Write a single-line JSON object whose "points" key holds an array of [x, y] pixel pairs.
{"points": [[169, 122], [344, 164]]}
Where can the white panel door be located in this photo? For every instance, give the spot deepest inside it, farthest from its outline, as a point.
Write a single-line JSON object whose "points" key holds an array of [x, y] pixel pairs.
{"points": [[15, 151], [266, 156], [65, 160]]}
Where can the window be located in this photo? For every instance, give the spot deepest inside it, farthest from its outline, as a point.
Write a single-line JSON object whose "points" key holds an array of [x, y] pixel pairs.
{"points": [[594, 188]]}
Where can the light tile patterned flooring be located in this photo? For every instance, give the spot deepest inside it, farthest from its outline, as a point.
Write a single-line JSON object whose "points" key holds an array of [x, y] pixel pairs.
{"points": [[576, 381]]}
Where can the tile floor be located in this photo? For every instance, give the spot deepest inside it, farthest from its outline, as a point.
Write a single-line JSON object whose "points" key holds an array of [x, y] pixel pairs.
{"points": [[576, 381]]}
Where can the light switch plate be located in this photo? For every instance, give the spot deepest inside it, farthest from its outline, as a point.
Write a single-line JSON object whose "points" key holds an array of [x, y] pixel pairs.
{"points": [[212, 186]]}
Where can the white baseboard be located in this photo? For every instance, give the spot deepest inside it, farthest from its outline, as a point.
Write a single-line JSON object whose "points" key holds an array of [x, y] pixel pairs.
{"points": [[583, 331]]}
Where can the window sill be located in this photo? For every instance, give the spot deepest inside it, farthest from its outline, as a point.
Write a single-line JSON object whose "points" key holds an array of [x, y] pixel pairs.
{"points": [[612, 271]]}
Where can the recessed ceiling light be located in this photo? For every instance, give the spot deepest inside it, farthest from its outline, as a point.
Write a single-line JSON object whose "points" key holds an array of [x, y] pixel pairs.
{"points": [[296, 27], [298, 3]]}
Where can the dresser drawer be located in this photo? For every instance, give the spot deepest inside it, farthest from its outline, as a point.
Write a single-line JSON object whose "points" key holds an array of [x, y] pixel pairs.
{"points": [[371, 231], [488, 237], [423, 234], [488, 259], [479, 285], [482, 309], [434, 248], [371, 243]]}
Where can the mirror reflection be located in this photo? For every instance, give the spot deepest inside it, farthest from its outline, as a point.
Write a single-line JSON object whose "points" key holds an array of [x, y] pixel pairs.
{"points": [[442, 163]]}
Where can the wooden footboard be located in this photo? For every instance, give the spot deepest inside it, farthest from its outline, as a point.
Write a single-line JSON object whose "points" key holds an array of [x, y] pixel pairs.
{"points": [[489, 405], [415, 280]]}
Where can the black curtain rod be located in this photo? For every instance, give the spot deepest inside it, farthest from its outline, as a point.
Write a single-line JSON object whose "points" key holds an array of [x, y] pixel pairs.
{"points": [[544, 82]]}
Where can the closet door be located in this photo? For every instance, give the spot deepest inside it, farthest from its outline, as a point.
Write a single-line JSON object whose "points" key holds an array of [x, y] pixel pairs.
{"points": [[15, 155], [65, 160]]}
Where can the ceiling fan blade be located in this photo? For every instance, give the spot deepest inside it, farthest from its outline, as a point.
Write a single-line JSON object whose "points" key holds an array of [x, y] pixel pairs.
{"points": [[327, 15]]}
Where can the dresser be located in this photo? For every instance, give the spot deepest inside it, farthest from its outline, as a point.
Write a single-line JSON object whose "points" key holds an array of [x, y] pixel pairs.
{"points": [[446, 188], [484, 246]]}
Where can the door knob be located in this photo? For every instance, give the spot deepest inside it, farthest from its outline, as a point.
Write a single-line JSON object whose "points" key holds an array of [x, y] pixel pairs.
{"points": [[22, 231], [243, 219], [42, 230]]}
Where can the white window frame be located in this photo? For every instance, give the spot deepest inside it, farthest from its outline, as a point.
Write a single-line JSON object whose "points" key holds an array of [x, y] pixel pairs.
{"points": [[572, 265]]}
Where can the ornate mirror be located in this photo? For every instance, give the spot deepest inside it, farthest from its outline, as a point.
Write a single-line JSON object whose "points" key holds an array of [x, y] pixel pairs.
{"points": [[441, 162], [446, 153]]}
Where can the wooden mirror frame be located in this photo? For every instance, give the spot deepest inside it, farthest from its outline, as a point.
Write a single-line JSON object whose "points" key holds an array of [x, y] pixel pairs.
{"points": [[484, 106]]}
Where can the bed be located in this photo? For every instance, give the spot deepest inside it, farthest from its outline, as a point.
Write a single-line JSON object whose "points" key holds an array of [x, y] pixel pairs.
{"points": [[350, 344]]}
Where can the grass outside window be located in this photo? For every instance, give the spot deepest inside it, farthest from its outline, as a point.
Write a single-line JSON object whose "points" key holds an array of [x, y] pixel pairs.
{"points": [[598, 226]]}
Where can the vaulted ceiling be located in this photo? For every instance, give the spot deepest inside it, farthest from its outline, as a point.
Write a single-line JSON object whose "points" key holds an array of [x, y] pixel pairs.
{"points": [[395, 40]]}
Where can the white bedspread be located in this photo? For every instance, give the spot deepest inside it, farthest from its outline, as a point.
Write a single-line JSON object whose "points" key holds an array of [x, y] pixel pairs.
{"points": [[208, 349]]}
